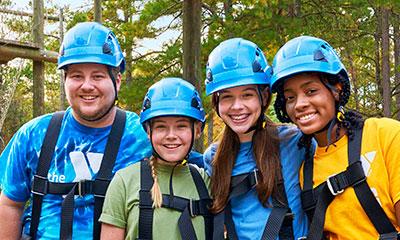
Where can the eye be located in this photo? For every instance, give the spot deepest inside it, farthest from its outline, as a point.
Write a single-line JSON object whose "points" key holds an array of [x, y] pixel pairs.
{"points": [[76, 76], [98, 77], [311, 91], [225, 96], [248, 95]]}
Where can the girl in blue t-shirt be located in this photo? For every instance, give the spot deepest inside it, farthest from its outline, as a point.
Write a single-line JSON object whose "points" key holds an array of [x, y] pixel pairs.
{"points": [[163, 191], [254, 167]]}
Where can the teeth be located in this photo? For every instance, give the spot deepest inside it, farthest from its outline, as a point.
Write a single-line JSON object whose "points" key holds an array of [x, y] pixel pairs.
{"points": [[238, 117], [88, 97], [172, 145], [306, 117]]}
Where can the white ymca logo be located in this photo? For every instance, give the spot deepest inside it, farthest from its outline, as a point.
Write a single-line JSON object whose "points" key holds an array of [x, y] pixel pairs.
{"points": [[366, 161], [85, 166]]}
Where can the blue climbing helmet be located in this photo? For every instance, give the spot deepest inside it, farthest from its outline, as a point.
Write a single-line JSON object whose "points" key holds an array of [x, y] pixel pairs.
{"points": [[236, 62], [172, 97], [302, 55], [305, 54], [91, 42]]}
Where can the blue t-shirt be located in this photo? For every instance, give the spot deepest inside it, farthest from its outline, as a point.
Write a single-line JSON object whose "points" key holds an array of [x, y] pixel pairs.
{"points": [[249, 216], [77, 156]]}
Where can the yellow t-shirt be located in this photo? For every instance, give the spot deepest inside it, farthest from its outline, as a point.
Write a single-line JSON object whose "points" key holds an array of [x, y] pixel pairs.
{"points": [[380, 157]]}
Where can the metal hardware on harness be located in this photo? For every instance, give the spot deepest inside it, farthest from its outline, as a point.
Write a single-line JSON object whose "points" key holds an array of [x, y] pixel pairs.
{"points": [[328, 182], [191, 210], [302, 238], [255, 176], [389, 236], [81, 189], [40, 191]]}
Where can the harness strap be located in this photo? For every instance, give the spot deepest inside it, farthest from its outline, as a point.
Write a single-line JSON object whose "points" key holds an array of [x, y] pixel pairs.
{"points": [[46, 154], [189, 208], [353, 176], [41, 186], [104, 175], [280, 220]]}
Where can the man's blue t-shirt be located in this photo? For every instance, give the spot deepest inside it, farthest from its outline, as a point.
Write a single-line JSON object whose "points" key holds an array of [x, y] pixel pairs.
{"points": [[249, 216], [77, 155]]}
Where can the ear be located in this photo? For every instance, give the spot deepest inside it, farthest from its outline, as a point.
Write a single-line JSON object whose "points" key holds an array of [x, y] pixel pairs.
{"points": [[338, 91], [265, 96], [118, 81], [197, 129]]}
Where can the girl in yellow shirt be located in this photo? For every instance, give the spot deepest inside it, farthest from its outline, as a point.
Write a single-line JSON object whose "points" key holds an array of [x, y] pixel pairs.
{"points": [[355, 171]]}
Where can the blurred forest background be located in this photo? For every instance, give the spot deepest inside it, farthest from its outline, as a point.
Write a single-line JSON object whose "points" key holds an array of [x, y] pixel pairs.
{"points": [[365, 33]]}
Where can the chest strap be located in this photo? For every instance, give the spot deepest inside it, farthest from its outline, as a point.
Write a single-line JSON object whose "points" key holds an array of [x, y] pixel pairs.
{"points": [[316, 201], [280, 221], [189, 208], [41, 186]]}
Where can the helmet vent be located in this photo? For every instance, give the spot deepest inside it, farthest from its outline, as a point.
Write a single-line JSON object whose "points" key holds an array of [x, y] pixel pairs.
{"points": [[107, 49], [146, 104], [195, 103], [319, 56], [257, 66], [209, 76]]}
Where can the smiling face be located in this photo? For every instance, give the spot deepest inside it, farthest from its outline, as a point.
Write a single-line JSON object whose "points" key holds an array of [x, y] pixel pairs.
{"points": [[90, 93], [240, 108], [309, 103], [172, 137]]}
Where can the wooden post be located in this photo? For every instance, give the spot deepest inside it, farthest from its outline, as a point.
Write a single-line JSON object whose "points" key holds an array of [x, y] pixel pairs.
{"points": [[62, 90], [97, 11], [192, 48], [38, 66]]}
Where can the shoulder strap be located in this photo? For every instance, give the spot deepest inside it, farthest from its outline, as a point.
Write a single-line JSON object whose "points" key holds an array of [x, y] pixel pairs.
{"points": [[40, 181], [280, 221], [107, 165], [353, 176], [145, 202]]}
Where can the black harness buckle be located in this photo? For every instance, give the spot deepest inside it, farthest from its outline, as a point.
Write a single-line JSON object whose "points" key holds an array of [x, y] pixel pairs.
{"points": [[333, 186], [389, 236], [40, 185]]}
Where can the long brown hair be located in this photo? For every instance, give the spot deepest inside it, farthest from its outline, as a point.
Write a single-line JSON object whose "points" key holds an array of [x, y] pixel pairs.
{"points": [[266, 153]]}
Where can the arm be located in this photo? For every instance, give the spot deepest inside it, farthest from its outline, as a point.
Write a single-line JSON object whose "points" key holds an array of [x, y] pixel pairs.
{"points": [[111, 232], [10, 218]]}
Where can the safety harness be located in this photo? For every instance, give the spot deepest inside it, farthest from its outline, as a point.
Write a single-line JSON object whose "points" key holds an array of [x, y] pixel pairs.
{"points": [[190, 208], [280, 221], [98, 187], [316, 201]]}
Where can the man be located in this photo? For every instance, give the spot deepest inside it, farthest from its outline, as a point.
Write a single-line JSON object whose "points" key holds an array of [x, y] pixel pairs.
{"points": [[66, 187]]}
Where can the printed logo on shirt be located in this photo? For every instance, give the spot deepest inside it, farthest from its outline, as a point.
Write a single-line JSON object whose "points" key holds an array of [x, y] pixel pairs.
{"points": [[366, 161], [85, 166]]}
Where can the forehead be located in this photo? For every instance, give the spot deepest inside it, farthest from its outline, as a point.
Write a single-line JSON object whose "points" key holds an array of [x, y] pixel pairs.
{"points": [[87, 67], [171, 119], [240, 89], [301, 80]]}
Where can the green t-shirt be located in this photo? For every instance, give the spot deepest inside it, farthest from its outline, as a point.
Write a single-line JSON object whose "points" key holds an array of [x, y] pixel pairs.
{"points": [[121, 205]]}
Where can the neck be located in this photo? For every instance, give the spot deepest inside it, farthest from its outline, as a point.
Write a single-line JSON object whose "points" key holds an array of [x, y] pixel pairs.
{"points": [[105, 121], [322, 137], [246, 137]]}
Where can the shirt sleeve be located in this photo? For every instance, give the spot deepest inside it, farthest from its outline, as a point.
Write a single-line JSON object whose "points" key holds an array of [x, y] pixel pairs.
{"points": [[390, 135], [14, 177], [208, 157], [114, 208]]}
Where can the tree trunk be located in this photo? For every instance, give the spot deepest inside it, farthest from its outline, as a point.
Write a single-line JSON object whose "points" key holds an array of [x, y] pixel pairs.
{"points": [[377, 37], [192, 48], [63, 101], [386, 63], [396, 27], [97, 11], [353, 75], [128, 49], [38, 66]]}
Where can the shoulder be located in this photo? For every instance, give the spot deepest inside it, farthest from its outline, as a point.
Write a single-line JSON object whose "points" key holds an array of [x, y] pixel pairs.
{"points": [[383, 127], [208, 156]]}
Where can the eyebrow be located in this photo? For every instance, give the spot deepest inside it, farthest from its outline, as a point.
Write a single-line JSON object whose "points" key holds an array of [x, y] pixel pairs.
{"points": [[303, 85], [246, 89]]}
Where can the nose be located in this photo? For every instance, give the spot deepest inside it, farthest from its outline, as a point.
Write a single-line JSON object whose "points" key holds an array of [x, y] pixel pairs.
{"points": [[301, 103], [171, 133], [236, 103], [87, 84]]}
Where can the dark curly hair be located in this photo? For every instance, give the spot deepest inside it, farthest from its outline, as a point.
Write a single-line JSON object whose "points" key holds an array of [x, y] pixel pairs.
{"points": [[352, 120]]}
